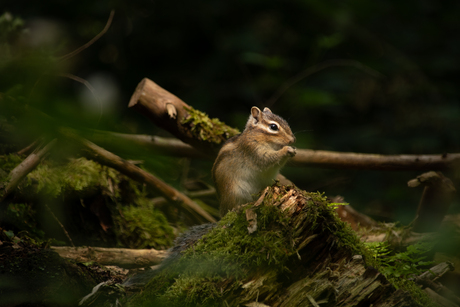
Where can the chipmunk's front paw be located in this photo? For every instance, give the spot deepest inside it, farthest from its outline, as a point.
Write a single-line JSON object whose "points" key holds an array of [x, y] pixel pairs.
{"points": [[291, 151]]}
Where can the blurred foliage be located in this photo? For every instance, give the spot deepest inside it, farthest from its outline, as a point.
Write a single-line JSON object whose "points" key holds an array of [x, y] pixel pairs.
{"points": [[112, 209], [372, 77]]}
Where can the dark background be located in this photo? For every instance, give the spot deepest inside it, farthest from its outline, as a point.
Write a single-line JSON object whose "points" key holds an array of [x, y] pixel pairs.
{"points": [[380, 77]]}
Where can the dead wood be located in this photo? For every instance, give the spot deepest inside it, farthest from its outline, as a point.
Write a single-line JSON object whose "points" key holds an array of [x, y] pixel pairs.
{"points": [[28, 149], [356, 219], [168, 112], [104, 157], [25, 167], [429, 280], [166, 146], [121, 257], [350, 160], [326, 263], [437, 195]]}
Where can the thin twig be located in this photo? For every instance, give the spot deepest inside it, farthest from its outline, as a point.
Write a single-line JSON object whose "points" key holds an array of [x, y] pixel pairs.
{"points": [[29, 148], [90, 88], [92, 41], [60, 224], [123, 142]]}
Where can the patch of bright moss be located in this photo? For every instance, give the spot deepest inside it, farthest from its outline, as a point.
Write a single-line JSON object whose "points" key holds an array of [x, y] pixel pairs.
{"points": [[208, 129], [143, 226], [78, 176], [136, 223]]}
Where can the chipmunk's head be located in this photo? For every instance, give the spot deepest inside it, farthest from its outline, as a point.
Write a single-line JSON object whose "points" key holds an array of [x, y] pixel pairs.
{"points": [[273, 126]]}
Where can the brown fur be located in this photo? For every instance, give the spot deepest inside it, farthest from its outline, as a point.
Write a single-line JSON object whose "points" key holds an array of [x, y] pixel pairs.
{"points": [[251, 160]]}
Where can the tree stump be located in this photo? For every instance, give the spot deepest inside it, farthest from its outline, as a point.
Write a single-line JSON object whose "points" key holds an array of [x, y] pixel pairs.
{"points": [[288, 248]]}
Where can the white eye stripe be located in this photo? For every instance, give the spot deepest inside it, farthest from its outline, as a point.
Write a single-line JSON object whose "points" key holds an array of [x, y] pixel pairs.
{"points": [[270, 130]]}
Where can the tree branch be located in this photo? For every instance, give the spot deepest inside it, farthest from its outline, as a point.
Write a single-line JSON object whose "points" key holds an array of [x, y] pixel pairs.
{"points": [[102, 156], [165, 146], [172, 114], [168, 112], [25, 167], [350, 160], [303, 158]]}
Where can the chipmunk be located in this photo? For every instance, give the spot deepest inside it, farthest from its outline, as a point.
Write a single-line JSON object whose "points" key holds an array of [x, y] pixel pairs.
{"points": [[250, 161]]}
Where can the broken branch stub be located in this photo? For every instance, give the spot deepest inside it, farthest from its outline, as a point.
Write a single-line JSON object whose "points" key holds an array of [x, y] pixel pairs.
{"points": [[172, 114], [436, 199]]}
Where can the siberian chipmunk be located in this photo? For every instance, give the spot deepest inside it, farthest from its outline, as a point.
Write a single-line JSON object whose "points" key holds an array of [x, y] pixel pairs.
{"points": [[250, 161]]}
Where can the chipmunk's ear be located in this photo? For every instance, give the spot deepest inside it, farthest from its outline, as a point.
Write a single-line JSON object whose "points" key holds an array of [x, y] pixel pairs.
{"points": [[267, 110], [256, 114]]}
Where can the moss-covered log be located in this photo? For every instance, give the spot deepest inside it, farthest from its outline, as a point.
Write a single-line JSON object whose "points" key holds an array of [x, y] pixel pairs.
{"points": [[289, 248]]}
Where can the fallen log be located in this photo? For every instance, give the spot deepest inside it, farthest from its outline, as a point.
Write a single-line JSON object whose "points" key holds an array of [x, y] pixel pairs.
{"points": [[121, 257], [288, 248]]}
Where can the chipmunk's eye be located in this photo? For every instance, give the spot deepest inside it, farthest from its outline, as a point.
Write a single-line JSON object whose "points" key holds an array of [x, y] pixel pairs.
{"points": [[274, 127]]}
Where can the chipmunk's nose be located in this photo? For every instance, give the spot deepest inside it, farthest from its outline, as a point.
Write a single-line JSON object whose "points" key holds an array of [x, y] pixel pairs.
{"points": [[292, 139]]}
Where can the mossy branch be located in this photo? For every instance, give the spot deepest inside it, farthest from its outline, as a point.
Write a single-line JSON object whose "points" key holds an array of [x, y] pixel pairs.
{"points": [[175, 116]]}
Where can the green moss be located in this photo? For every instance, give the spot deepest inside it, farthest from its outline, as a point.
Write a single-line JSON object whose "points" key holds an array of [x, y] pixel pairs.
{"points": [[207, 129], [136, 223], [7, 164], [142, 226], [79, 175], [226, 255], [213, 271]]}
